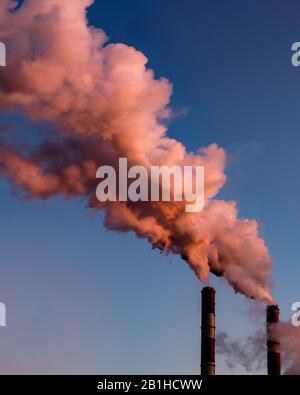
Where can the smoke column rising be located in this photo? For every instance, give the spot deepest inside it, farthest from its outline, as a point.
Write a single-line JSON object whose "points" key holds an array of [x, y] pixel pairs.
{"points": [[103, 103]]}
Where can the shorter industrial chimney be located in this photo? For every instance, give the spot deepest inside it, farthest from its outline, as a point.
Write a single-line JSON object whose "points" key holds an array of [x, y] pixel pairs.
{"points": [[273, 344], [208, 332]]}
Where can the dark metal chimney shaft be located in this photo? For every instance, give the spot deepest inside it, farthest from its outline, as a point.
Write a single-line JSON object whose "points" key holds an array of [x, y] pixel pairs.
{"points": [[208, 332], [273, 343]]}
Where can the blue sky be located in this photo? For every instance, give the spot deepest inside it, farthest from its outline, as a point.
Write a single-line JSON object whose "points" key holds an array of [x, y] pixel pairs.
{"points": [[81, 299]]}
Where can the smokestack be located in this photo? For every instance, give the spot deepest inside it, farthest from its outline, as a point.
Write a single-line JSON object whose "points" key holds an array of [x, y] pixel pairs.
{"points": [[273, 344], [208, 332]]}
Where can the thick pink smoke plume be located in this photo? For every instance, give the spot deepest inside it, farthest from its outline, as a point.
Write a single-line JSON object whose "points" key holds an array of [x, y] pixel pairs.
{"points": [[103, 103]]}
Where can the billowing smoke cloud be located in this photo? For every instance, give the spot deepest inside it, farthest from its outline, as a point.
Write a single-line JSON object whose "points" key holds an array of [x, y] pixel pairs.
{"points": [[103, 103], [251, 352]]}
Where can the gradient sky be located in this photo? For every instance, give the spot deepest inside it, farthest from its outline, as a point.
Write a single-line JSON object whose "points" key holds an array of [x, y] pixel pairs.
{"points": [[81, 299]]}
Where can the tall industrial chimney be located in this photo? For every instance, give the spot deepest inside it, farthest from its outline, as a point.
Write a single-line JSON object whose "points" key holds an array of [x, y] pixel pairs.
{"points": [[208, 332], [273, 344]]}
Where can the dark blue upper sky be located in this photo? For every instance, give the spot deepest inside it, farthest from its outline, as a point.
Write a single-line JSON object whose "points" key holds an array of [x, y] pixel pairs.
{"points": [[81, 299]]}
